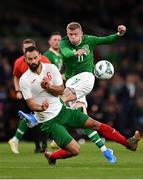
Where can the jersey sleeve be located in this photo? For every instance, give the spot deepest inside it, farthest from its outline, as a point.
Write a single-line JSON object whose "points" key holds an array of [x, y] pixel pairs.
{"points": [[65, 49], [104, 40], [25, 88], [57, 80], [16, 71]]}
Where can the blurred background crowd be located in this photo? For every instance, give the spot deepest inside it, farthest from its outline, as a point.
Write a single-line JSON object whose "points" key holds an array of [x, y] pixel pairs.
{"points": [[118, 101]]}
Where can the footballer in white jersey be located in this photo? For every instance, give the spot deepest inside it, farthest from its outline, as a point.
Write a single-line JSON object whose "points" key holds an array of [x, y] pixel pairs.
{"points": [[31, 88]]}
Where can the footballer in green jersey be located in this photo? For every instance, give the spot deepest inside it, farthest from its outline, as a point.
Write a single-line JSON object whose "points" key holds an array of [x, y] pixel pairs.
{"points": [[53, 53], [54, 57], [74, 42], [77, 54]]}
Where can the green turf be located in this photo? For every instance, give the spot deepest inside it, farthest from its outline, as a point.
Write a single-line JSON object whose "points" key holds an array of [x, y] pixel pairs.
{"points": [[88, 164]]}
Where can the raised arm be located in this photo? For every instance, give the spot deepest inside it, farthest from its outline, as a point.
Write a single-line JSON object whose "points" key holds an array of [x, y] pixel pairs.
{"points": [[110, 38]]}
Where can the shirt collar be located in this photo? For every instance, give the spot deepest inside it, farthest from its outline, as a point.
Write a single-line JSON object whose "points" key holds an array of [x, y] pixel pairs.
{"points": [[52, 50]]}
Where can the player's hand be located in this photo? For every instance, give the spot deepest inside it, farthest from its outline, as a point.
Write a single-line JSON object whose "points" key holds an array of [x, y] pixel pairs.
{"points": [[45, 83], [45, 105], [121, 30], [80, 52], [19, 95]]}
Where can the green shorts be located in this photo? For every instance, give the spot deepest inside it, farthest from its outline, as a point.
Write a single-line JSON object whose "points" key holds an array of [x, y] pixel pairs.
{"points": [[67, 118]]}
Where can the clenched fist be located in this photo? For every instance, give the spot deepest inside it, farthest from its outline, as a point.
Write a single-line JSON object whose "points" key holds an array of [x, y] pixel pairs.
{"points": [[45, 83], [121, 30], [45, 105]]}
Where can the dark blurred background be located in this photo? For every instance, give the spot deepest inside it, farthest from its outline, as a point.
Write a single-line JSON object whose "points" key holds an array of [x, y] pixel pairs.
{"points": [[119, 101]]}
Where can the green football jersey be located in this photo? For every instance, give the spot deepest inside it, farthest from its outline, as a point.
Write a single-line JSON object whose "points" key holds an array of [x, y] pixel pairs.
{"points": [[85, 63], [54, 58]]}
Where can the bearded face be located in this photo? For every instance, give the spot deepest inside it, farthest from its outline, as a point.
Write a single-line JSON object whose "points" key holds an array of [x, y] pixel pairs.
{"points": [[33, 60], [34, 66]]}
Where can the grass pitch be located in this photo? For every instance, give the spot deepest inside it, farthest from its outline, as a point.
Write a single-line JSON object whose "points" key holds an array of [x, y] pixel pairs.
{"points": [[90, 163]]}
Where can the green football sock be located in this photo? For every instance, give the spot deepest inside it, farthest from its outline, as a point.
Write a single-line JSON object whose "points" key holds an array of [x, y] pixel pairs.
{"points": [[22, 128], [94, 137]]}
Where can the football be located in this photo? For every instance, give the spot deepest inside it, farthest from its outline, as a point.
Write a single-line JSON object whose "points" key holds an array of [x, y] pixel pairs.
{"points": [[104, 69]]}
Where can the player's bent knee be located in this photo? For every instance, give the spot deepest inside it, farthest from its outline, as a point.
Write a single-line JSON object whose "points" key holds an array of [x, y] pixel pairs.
{"points": [[69, 94]]}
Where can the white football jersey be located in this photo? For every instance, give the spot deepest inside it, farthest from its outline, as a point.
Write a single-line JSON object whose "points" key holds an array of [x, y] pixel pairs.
{"points": [[31, 88]]}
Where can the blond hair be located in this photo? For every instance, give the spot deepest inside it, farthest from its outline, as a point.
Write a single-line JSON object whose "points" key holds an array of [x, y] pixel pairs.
{"points": [[74, 25]]}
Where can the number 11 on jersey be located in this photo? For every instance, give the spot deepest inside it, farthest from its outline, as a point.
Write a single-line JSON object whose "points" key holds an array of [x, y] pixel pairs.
{"points": [[80, 58]]}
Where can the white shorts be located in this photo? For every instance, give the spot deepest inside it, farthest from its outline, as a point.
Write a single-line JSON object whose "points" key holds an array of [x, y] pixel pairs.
{"points": [[82, 84]]}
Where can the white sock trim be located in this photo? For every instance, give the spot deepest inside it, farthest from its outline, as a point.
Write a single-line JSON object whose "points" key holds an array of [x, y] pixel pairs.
{"points": [[103, 148], [92, 134], [98, 140], [21, 132], [15, 139]]}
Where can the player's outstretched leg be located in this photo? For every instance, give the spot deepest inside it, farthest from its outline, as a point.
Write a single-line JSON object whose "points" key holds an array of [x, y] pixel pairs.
{"points": [[112, 134]]}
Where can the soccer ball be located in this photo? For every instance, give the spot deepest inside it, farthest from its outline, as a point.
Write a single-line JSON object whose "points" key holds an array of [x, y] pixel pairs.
{"points": [[103, 70]]}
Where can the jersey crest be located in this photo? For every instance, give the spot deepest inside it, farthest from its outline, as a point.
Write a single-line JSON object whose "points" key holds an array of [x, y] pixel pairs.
{"points": [[86, 48]]}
